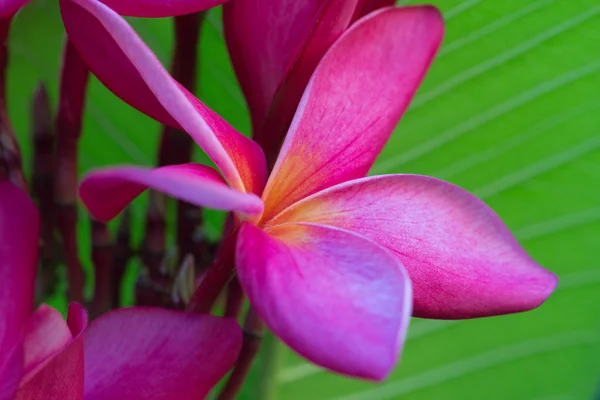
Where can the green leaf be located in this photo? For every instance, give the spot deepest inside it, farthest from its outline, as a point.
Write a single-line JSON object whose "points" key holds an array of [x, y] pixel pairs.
{"points": [[509, 111]]}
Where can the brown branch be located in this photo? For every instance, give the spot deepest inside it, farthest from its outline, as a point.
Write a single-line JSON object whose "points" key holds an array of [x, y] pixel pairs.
{"points": [[73, 86], [42, 183], [253, 332], [10, 154], [123, 253], [102, 258]]}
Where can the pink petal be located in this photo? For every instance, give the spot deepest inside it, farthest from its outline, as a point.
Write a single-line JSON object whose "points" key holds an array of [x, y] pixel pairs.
{"points": [[355, 98], [160, 8], [19, 234], [462, 260], [336, 298], [61, 377], [152, 354], [122, 62], [365, 7], [264, 43], [107, 192], [47, 335], [8, 8]]}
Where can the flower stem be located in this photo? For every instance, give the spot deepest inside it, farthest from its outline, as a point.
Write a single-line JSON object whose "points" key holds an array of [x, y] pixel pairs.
{"points": [[269, 365], [73, 87], [216, 277], [253, 330]]}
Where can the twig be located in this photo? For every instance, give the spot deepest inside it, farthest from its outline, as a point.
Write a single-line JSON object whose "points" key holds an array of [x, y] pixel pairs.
{"points": [[123, 253], [42, 183], [73, 86], [102, 258], [253, 331]]}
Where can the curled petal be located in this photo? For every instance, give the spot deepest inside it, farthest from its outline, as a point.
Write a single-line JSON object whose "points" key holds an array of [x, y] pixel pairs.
{"points": [[354, 100], [461, 258], [122, 62], [47, 335], [19, 235], [155, 354], [365, 7], [107, 192], [264, 43], [160, 8], [333, 296], [61, 377]]}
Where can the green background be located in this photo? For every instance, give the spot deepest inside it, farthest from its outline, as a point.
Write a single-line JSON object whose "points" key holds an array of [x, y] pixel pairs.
{"points": [[510, 111]]}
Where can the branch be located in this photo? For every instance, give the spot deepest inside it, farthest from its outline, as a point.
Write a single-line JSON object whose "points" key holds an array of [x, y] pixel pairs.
{"points": [[73, 86], [123, 253], [102, 258], [43, 189]]}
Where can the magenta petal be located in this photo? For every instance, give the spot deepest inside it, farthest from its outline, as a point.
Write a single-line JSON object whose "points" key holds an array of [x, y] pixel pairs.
{"points": [[335, 297], [10, 7], [264, 42], [353, 102], [155, 354], [462, 260], [160, 8], [19, 235], [61, 377], [11, 367], [122, 62], [106, 192]]}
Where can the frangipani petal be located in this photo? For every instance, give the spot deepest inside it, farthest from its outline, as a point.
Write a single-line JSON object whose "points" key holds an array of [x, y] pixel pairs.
{"points": [[122, 62], [47, 335], [461, 258], [264, 43], [107, 192], [61, 377], [335, 297], [155, 354], [8, 8], [160, 8], [19, 234], [353, 102]]}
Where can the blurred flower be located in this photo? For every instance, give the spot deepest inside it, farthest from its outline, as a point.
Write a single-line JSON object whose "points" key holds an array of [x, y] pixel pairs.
{"points": [[325, 257], [275, 50], [135, 353]]}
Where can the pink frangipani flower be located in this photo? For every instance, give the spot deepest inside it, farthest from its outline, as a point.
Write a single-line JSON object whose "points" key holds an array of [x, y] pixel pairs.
{"points": [[136, 353], [275, 50], [326, 254]]}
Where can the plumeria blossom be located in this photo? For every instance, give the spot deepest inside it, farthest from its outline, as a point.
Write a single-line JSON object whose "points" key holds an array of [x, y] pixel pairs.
{"points": [[326, 256], [136, 353], [275, 50]]}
